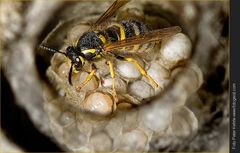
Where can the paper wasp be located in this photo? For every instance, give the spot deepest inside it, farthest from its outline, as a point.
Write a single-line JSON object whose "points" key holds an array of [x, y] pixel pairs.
{"points": [[114, 38]]}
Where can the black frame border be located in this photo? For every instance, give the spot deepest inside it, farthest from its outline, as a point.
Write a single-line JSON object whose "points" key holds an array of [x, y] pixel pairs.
{"points": [[234, 137]]}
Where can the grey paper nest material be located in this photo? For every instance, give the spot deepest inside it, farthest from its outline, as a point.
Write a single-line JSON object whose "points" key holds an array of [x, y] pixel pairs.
{"points": [[162, 118]]}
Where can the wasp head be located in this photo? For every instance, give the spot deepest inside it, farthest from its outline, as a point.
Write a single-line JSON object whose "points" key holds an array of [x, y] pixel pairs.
{"points": [[75, 56]]}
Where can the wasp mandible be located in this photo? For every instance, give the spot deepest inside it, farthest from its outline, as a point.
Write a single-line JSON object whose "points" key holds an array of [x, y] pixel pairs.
{"points": [[114, 38]]}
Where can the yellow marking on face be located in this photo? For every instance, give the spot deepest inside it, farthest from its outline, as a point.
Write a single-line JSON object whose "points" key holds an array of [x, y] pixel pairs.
{"points": [[89, 51], [82, 59], [75, 71], [122, 31], [70, 63]]}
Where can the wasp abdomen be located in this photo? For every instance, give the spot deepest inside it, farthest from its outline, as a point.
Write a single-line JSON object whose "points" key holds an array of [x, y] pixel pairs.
{"points": [[127, 29]]}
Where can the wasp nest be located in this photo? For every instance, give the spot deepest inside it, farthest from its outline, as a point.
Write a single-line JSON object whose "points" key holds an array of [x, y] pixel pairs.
{"points": [[83, 119], [136, 119]]}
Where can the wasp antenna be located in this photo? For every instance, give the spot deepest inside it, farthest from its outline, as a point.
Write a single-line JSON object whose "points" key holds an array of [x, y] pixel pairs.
{"points": [[51, 50]]}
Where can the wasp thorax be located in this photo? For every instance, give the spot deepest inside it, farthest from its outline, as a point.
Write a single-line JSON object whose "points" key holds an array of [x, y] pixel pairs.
{"points": [[89, 40]]}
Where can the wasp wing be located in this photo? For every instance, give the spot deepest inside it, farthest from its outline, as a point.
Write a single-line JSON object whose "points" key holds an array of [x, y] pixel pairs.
{"points": [[111, 10], [152, 36]]}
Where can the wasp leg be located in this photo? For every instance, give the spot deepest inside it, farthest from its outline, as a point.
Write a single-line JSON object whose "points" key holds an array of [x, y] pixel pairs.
{"points": [[141, 70], [110, 64], [89, 77]]}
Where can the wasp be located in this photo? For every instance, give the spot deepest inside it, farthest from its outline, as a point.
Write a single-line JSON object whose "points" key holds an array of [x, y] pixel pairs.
{"points": [[115, 39]]}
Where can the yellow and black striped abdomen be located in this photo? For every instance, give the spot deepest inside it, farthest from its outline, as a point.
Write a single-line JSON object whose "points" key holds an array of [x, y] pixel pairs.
{"points": [[127, 29]]}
